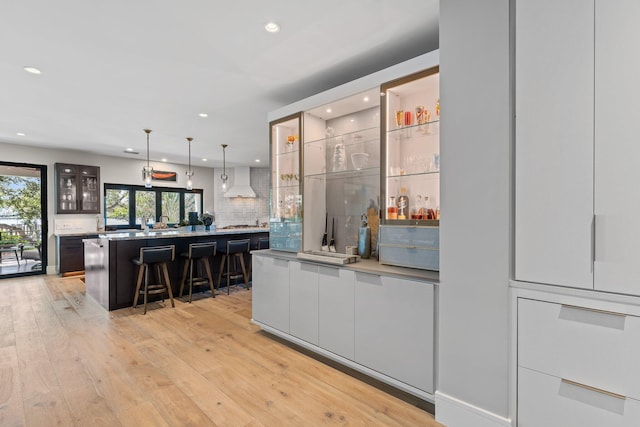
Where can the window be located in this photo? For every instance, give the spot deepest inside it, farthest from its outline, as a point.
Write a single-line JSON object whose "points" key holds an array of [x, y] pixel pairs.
{"points": [[145, 206], [127, 206], [192, 202], [171, 206], [116, 207]]}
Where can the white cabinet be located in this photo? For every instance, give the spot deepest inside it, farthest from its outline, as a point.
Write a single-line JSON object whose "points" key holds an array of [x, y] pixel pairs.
{"points": [[303, 297], [576, 144], [270, 292], [545, 400], [554, 141], [578, 361], [336, 316], [394, 328], [617, 150]]}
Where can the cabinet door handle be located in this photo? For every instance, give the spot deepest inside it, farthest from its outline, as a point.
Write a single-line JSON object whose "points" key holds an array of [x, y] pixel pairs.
{"points": [[594, 389], [594, 310], [593, 243]]}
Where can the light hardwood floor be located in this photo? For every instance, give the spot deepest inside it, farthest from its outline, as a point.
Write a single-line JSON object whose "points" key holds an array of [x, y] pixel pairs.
{"points": [[66, 361]]}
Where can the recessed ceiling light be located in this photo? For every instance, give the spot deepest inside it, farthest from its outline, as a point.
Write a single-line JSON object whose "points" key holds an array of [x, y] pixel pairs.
{"points": [[365, 99], [272, 27], [328, 110], [204, 160], [32, 70], [203, 115], [19, 133], [352, 120], [129, 149], [257, 160], [164, 160]]}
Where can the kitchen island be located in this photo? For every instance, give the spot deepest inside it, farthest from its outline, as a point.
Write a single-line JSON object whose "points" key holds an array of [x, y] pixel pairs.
{"points": [[110, 276]]}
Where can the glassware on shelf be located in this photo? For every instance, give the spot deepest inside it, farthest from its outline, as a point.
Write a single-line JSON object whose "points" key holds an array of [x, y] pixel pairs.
{"points": [[399, 117], [359, 160], [339, 158], [392, 209], [403, 204]]}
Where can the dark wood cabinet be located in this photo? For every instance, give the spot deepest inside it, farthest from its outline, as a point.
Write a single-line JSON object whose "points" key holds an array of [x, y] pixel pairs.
{"points": [[77, 189], [71, 253]]}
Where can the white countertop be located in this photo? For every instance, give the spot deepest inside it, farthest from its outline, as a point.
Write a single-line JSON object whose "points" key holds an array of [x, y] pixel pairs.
{"points": [[139, 234]]}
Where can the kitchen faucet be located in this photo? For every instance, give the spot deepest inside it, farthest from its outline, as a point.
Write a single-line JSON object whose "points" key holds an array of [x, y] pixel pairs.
{"points": [[164, 216]]}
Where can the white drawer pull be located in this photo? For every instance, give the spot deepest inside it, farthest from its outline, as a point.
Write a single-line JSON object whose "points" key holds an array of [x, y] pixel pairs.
{"points": [[594, 310], [597, 390]]}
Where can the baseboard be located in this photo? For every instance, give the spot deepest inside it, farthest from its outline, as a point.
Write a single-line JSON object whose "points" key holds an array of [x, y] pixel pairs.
{"points": [[453, 412]]}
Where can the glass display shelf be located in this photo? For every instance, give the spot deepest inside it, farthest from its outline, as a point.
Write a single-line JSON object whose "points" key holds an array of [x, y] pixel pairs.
{"points": [[285, 231], [417, 130], [409, 175], [368, 135], [347, 174]]}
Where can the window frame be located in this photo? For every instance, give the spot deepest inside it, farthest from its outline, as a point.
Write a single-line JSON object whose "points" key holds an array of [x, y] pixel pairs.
{"points": [[131, 189]]}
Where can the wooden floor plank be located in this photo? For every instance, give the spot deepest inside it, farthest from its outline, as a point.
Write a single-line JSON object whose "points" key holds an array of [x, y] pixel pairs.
{"points": [[64, 360]]}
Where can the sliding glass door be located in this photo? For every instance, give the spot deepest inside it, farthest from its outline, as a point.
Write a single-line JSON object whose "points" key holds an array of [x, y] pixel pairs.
{"points": [[23, 219]]}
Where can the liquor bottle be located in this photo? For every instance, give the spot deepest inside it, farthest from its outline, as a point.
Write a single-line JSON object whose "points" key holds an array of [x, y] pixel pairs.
{"points": [[403, 204], [392, 209]]}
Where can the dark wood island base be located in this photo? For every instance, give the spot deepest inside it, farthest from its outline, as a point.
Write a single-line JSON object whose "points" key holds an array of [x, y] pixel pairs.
{"points": [[110, 276]]}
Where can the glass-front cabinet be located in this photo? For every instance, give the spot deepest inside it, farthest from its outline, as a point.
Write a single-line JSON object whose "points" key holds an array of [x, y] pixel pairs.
{"points": [[285, 224], [410, 178], [341, 171], [77, 189]]}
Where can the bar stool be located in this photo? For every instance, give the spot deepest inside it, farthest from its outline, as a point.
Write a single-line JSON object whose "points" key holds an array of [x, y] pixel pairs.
{"points": [[154, 256], [202, 253], [234, 250], [262, 243]]}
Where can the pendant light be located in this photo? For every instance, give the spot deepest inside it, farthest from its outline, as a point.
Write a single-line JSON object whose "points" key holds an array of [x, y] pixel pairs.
{"points": [[147, 171], [224, 178], [189, 171]]}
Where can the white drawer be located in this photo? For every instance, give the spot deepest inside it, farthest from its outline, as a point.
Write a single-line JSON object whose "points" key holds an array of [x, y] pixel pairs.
{"points": [[544, 400], [592, 347]]}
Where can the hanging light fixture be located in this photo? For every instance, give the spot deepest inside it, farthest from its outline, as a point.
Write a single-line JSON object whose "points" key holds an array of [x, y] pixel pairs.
{"points": [[224, 178], [147, 171], [189, 171]]}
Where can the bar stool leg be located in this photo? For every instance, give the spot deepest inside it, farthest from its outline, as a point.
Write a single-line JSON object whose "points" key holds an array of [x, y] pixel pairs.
{"points": [[244, 270], [168, 283], [138, 284], [207, 268], [190, 279], [184, 276], [224, 256], [146, 287], [159, 278]]}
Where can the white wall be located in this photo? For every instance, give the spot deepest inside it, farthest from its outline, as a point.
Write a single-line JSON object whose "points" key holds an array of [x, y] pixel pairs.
{"points": [[113, 170], [475, 229]]}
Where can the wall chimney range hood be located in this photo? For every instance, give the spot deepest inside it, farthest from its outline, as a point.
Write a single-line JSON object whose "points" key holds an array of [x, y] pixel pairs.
{"points": [[241, 186]]}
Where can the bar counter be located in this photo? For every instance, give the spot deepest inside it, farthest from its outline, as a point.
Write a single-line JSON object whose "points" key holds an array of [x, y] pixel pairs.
{"points": [[110, 276]]}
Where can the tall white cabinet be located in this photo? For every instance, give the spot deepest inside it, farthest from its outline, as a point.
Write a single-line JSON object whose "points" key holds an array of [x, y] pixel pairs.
{"points": [[576, 217], [554, 141], [617, 146], [577, 221]]}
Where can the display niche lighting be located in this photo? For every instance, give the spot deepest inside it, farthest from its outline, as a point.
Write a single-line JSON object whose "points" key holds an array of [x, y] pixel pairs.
{"points": [[147, 171], [224, 178], [189, 171]]}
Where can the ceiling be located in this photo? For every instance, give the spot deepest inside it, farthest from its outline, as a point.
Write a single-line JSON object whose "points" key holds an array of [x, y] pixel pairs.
{"points": [[112, 68]]}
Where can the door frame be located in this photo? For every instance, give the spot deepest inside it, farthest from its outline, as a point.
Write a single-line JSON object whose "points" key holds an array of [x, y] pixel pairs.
{"points": [[44, 215]]}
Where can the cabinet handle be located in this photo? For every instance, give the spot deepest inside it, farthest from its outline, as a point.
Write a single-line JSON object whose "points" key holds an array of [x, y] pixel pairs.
{"points": [[597, 390], [595, 310], [593, 243]]}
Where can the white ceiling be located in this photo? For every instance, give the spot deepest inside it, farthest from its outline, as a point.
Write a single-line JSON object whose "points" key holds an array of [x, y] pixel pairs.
{"points": [[112, 68]]}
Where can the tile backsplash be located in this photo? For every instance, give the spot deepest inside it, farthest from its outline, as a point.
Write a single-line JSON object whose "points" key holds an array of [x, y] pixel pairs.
{"points": [[240, 211]]}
